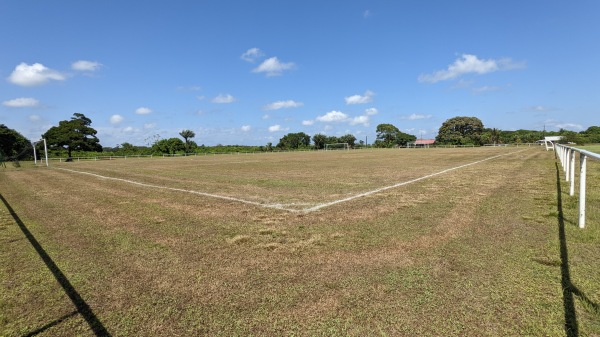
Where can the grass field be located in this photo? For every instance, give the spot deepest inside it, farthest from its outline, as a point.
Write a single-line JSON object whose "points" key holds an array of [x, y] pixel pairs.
{"points": [[331, 243]]}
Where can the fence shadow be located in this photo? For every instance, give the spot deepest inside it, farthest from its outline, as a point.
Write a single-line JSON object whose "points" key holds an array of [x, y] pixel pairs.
{"points": [[569, 289], [82, 307]]}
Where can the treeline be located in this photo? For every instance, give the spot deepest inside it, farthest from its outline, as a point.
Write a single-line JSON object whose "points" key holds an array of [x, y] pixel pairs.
{"points": [[76, 137]]}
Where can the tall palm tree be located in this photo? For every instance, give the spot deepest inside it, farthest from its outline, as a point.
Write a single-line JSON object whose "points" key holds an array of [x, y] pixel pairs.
{"points": [[187, 135]]}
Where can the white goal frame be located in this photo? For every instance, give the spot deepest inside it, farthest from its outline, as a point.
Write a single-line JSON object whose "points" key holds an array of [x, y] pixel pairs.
{"points": [[33, 144], [344, 146]]}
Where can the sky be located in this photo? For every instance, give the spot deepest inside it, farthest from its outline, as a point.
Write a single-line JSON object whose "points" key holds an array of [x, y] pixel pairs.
{"points": [[240, 72]]}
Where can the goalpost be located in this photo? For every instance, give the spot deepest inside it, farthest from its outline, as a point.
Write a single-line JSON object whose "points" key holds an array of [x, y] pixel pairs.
{"points": [[337, 146], [33, 144]]}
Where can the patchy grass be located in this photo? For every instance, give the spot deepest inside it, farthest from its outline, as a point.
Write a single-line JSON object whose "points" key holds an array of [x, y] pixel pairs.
{"points": [[485, 250]]}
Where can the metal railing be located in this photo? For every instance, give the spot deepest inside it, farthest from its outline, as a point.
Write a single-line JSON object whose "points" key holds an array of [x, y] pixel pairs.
{"points": [[566, 154]]}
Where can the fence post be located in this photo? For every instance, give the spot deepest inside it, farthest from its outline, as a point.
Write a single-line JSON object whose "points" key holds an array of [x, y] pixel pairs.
{"points": [[583, 160], [572, 174]]}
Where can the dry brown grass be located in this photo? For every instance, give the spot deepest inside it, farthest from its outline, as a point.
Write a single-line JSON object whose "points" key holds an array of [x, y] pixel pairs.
{"points": [[452, 255]]}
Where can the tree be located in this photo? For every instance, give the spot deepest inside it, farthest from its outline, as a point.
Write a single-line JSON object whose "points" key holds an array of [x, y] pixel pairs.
{"points": [[350, 139], [75, 134], [460, 131], [388, 136], [294, 141], [169, 146], [12, 143], [187, 135], [319, 140]]}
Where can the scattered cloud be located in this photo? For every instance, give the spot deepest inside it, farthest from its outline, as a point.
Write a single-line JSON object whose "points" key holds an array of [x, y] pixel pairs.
{"points": [[149, 125], [189, 88], [486, 88], [129, 129], [22, 102], [34, 118], [540, 108], [562, 125], [143, 111], [364, 120], [283, 104], [252, 55], [333, 116], [116, 119], [275, 128], [85, 65], [266, 116], [201, 97], [308, 123], [358, 99], [246, 128], [223, 99], [371, 111], [273, 67], [33, 75], [414, 117], [468, 64]]}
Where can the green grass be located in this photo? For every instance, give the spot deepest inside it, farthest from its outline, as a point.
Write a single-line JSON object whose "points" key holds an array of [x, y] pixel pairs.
{"points": [[485, 250]]}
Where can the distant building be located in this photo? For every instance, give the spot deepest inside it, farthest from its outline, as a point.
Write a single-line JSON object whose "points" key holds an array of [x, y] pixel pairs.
{"points": [[421, 143]]}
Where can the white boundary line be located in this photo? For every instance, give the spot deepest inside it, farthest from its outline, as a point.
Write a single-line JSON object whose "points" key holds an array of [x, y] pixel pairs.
{"points": [[280, 206]]}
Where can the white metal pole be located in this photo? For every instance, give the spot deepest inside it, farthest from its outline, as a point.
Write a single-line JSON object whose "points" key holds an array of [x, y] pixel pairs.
{"points": [[567, 163], [583, 160], [46, 151], [572, 174], [34, 154]]}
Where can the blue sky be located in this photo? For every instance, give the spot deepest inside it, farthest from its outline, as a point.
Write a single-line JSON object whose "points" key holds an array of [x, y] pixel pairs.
{"points": [[248, 72]]}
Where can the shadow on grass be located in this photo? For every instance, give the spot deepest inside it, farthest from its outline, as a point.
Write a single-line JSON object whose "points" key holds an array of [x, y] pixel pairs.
{"points": [[569, 289], [82, 307]]}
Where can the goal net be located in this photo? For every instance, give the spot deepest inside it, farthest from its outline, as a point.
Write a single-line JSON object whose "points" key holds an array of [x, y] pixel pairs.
{"points": [[337, 146]]}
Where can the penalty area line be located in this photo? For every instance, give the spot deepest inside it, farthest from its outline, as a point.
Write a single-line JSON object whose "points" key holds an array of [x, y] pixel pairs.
{"points": [[365, 194], [216, 196]]}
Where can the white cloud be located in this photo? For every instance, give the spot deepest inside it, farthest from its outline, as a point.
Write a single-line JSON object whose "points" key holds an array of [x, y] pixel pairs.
{"points": [[333, 116], [149, 126], [252, 55], [246, 128], [128, 129], [371, 111], [358, 99], [143, 111], [562, 125], [266, 117], [308, 123], [189, 88], [223, 99], [272, 67], [470, 64], [33, 75], [486, 88], [364, 120], [414, 117], [275, 128], [22, 102], [116, 119], [85, 65], [283, 104], [34, 118]]}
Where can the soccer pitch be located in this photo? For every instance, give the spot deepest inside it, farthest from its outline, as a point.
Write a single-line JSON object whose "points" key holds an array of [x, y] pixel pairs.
{"points": [[466, 241], [296, 182]]}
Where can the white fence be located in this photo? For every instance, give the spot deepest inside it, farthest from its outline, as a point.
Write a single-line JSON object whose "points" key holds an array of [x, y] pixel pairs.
{"points": [[566, 154]]}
